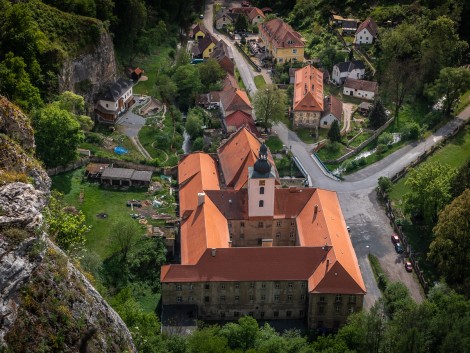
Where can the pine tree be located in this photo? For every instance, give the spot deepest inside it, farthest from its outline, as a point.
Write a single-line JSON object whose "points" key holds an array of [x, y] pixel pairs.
{"points": [[377, 115], [334, 135]]}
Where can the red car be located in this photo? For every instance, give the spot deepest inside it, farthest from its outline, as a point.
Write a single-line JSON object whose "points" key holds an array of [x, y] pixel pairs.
{"points": [[395, 239], [408, 266]]}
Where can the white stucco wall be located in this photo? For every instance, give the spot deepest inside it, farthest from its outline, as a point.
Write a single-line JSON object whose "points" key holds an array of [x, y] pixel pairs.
{"points": [[359, 93], [364, 37], [254, 197]]}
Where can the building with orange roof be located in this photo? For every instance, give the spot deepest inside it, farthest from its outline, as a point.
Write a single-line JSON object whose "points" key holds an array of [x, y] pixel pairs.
{"points": [[233, 99], [282, 43], [239, 119], [251, 247], [308, 97]]}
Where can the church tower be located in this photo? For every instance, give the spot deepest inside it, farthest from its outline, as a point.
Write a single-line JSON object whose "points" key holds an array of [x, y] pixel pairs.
{"points": [[261, 185]]}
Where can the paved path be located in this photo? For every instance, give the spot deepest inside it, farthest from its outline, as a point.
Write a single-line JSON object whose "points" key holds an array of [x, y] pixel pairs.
{"points": [[370, 227]]}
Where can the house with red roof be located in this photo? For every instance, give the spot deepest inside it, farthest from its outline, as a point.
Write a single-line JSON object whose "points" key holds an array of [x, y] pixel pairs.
{"points": [[308, 97], [367, 32], [238, 120], [233, 99], [282, 43], [251, 247]]}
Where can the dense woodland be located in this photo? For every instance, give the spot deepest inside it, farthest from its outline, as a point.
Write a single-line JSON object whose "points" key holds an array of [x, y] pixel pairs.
{"points": [[418, 59]]}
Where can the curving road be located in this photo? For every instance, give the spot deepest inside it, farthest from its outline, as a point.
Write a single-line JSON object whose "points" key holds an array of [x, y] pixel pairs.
{"points": [[370, 227]]}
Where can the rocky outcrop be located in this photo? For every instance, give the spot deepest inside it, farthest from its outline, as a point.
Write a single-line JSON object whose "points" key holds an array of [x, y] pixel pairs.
{"points": [[46, 303], [88, 73]]}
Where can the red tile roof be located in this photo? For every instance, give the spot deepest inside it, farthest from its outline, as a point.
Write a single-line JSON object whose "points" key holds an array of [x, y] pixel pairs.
{"points": [[280, 34], [334, 106], [370, 25], [254, 13], [233, 99], [308, 89], [238, 153], [240, 119]]}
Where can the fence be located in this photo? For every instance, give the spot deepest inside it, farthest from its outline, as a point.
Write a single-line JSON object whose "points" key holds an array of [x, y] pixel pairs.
{"points": [[252, 63], [362, 145], [393, 214]]}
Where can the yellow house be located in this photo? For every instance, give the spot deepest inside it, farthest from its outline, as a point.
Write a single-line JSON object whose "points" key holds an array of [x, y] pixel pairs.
{"points": [[198, 31], [208, 51], [204, 47], [281, 41]]}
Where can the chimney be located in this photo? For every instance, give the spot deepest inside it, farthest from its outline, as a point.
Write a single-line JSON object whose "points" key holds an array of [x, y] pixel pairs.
{"points": [[229, 243], [266, 243], [315, 210], [327, 263], [213, 252], [201, 198]]}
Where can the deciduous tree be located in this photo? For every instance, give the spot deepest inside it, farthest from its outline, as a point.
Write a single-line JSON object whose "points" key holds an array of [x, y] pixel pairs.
{"points": [[57, 134], [450, 249], [449, 86], [125, 233], [430, 190], [270, 105]]}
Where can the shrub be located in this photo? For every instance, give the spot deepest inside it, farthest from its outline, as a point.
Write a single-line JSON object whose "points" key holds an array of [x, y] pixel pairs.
{"points": [[198, 144], [385, 184], [385, 139], [162, 140], [381, 148], [362, 161], [411, 131], [94, 137], [16, 235]]}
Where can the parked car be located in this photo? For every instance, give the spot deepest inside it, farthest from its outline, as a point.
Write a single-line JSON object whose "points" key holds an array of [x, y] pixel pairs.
{"points": [[201, 16], [395, 238], [408, 266], [348, 228], [398, 248]]}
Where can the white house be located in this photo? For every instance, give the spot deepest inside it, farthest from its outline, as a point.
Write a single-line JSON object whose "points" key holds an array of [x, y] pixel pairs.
{"points": [[333, 111], [360, 88], [366, 32], [224, 18], [352, 69], [114, 101]]}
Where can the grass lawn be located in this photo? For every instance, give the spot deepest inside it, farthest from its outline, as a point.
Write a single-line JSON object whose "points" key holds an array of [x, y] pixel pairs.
{"points": [[260, 82], [455, 154], [239, 80], [119, 139], [360, 139], [151, 64], [96, 200], [274, 144], [326, 153], [305, 134]]}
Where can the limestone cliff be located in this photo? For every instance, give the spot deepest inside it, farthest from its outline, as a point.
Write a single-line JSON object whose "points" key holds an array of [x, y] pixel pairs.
{"points": [[87, 73], [46, 304]]}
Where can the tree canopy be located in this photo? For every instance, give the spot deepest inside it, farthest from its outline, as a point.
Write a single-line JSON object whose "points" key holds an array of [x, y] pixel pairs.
{"points": [[57, 135], [377, 115], [450, 249], [334, 134], [270, 104]]}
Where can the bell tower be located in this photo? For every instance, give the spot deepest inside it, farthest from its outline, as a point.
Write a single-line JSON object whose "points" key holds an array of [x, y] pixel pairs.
{"points": [[261, 185]]}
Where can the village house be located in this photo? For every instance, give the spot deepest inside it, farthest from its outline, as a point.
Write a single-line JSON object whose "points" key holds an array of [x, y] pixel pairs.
{"points": [[250, 247], [204, 47], [239, 119], [233, 99], [224, 56], [108, 175], [224, 18], [308, 97], [349, 26], [360, 88], [198, 31], [255, 16], [333, 111], [367, 32], [282, 43], [352, 69], [114, 101]]}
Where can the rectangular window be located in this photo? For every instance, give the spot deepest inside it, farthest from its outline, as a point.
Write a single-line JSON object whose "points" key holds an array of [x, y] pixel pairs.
{"points": [[261, 314], [351, 309], [292, 223], [352, 298], [338, 298], [278, 223], [322, 299], [290, 285], [179, 287], [260, 224], [252, 285], [276, 297], [222, 314], [179, 299], [277, 285], [337, 308], [288, 313], [294, 51], [242, 224], [263, 297], [263, 285], [262, 182], [289, 297], [222, 298], [207, 286], [237, 298], [302, 297], [237, 285], [236, 313], [261, 203], [278, 235], [261, 190], [301, 313], [292, 234], [303, 284], [252, 297], [230, 224], [222, 286], [276, 314], [321, 310], [207, 299]]}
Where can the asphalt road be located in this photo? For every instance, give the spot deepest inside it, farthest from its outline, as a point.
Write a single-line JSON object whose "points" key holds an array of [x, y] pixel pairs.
{"points": [[370, 227]]}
